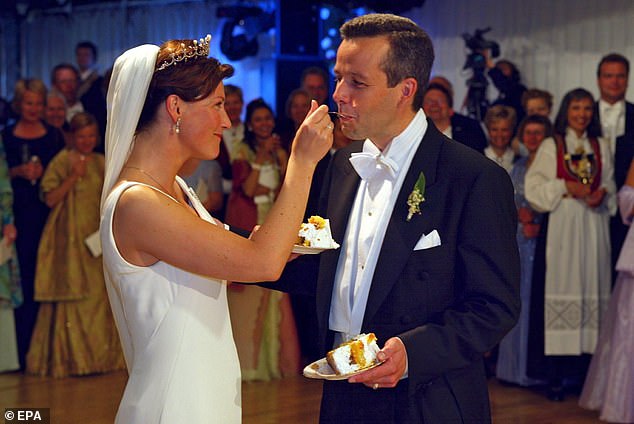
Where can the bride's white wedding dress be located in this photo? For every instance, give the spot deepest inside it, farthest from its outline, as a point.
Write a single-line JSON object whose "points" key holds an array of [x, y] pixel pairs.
{"points": [[176, 336]]}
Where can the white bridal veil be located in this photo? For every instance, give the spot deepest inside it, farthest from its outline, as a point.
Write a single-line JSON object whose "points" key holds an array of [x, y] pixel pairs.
{"points": [[131, 76]]}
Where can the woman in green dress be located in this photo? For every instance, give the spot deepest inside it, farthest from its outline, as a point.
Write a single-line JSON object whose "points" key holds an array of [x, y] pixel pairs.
{"points": [[10, 289]]}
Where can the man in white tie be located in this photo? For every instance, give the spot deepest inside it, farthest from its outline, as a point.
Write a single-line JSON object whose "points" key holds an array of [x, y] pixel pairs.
{"points": [[428, 258], [617, 122]]}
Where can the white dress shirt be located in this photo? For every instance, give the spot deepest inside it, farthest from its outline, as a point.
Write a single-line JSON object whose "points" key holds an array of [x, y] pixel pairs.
{"points": [[612, 121], [371, 211]]}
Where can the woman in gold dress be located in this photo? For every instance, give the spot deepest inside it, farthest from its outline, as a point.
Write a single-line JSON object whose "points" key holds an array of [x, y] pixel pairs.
{"points": [[74, 333]]}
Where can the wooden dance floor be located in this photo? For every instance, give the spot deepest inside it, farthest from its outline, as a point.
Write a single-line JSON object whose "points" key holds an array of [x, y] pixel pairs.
{"points": [[94, 399]]}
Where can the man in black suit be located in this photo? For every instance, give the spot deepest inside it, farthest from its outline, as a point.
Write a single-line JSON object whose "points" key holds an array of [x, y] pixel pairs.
{"points": [[617, 123], [91, 90], [438, 106], [436, 280]]}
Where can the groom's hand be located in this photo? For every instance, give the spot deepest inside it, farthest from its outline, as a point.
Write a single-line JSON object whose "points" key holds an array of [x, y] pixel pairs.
{"points": [[388, 374]]}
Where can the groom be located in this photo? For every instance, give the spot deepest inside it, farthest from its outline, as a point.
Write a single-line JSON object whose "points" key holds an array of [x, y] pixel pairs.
{"points": [[435, 280]]}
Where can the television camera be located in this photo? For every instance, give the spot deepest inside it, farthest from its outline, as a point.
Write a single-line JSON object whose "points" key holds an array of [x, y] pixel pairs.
{"points": [[476, 101]]}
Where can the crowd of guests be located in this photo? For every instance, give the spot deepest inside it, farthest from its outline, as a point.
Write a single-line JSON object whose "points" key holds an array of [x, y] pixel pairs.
{"points": [[55, 317], [568, 176], [573, 180]]}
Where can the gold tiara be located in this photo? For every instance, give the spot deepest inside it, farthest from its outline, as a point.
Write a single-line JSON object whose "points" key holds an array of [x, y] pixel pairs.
{"points": [[199, 48]]}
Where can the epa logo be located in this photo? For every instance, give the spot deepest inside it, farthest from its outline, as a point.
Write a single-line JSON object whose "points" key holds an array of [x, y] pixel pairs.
{"points": [[30, 415]]}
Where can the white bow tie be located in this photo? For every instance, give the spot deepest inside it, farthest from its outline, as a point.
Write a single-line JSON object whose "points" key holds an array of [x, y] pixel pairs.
{"points": [[369, 165], [611, 109]]}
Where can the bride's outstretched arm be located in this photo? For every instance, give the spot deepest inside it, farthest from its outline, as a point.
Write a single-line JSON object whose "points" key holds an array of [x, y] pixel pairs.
{"points": [[165, 230]]}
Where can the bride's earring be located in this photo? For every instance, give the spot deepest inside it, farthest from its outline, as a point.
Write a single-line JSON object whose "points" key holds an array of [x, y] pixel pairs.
{"points": [[177, 126]]}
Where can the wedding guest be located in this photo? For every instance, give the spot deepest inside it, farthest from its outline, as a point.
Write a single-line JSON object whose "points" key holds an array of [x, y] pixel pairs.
{"points": [[617, 122], [295, 110], [315, 80], [572, 179], [438, 105], [263, 323], [74, 333], [436, 280], [30, 144], [513, 349], [537, 102], [65, 80], [534, 102], [231, 138], [258, 168], [500, 121], [90, 89], [10, 290], [609, 386], [234, 135], [507, 79], [86, 58], [166, 259], [205, 177], [55, 115]]}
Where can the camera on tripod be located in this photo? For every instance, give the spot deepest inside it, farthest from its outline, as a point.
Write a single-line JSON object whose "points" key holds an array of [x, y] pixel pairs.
{"points": [[476, 61], [477, 44]]}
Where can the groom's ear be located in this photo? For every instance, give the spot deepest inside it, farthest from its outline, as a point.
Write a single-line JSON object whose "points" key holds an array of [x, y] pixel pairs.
{"points": [[408, 89]]}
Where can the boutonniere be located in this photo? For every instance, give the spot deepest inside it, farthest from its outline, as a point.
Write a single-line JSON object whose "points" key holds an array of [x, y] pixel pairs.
{"points": [[416, 197]]}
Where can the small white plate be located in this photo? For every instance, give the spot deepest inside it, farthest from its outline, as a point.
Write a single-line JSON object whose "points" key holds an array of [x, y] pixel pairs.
{"points": [[307, 250], [322, 371]]}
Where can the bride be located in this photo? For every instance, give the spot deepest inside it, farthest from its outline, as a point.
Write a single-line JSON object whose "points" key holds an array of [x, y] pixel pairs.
{"points": [[166, 260]]}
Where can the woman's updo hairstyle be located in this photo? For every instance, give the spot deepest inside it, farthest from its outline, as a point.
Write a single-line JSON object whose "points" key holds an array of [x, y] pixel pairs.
{"points": [[190, 79]]}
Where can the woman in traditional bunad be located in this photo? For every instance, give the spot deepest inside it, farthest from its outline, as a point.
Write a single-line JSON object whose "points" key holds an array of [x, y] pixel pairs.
{"points": [[572, 179]]}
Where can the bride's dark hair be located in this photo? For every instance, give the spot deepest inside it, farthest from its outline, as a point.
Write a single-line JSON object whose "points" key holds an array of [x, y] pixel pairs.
{"points": [[191, 79]]}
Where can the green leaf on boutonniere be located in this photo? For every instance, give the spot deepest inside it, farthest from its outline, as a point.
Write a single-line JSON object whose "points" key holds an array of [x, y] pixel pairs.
{"points": [[420, 185], [416, 197]]}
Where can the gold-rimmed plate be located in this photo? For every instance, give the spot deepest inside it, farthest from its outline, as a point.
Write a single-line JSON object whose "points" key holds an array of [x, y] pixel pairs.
{"points": [[320, 370]]}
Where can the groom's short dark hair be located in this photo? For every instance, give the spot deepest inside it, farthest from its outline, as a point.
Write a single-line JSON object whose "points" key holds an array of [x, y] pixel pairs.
{"points": [[411, 53]]}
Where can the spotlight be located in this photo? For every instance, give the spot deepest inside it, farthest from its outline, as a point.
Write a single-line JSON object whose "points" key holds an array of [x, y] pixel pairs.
{"points": [[237, 47], [235, 42]]}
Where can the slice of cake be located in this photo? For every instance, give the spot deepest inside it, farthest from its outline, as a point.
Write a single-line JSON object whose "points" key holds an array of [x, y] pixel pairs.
{"points": [[354, 355], [316, 233]]}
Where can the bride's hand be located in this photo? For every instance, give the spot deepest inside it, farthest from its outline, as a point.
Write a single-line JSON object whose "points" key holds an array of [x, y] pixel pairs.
{"points": [[314, 136]]}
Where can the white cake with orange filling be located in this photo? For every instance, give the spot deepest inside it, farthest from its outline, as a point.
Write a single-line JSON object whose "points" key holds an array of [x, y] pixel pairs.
{"points": [[354, 355], [316, 233]]}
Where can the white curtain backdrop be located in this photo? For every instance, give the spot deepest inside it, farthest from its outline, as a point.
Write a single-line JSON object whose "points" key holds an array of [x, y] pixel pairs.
{"points": [[555, 44], [50, 39]]}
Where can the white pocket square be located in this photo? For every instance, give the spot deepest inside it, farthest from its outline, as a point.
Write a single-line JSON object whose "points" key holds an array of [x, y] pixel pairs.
{"points": [[428, 241]]}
